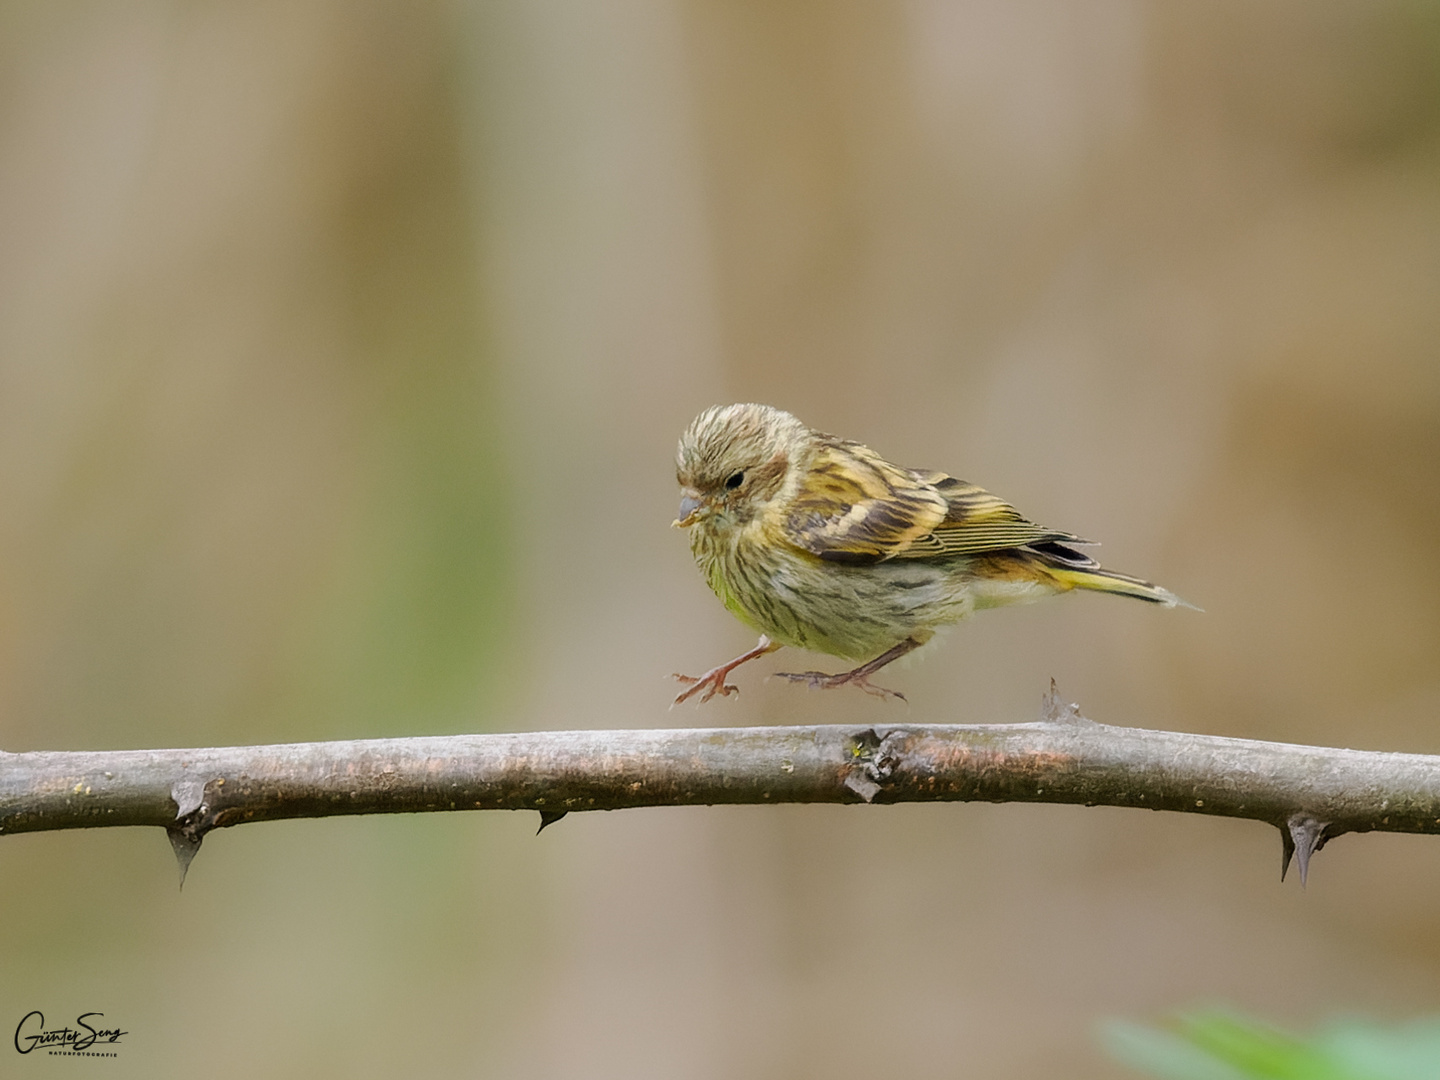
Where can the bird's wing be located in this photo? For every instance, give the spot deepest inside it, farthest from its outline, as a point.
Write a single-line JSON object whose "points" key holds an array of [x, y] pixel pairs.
{"points": [[975, 522], [855, 507]]}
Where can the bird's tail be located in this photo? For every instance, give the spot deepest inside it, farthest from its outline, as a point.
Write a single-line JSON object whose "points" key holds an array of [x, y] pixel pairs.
{"points": [[1072, 569]]}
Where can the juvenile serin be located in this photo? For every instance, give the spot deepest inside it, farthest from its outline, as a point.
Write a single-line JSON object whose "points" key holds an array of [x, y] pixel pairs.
{"points": [[821, 543]]}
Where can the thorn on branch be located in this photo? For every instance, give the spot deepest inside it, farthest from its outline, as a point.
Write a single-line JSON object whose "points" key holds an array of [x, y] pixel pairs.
{"points": [[1301, 837], [1054, 710], [548, 818], [192, 821], [185, 846]]}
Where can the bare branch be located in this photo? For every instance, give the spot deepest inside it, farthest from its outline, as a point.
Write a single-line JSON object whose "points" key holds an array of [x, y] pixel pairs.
{"points": [[1312, 794]]}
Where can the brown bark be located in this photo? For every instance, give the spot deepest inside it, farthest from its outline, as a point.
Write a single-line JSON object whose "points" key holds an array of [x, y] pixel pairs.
{"points": [[1311, 794]]}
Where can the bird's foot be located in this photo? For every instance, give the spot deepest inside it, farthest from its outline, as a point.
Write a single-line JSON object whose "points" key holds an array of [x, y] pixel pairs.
{"points": [[712, 683], [818, 680]]}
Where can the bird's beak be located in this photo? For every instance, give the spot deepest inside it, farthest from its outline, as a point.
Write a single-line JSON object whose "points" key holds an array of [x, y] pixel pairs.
{"points": [[689, 508]]}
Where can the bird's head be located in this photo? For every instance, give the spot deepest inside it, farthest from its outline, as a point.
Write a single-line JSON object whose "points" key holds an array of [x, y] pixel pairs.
{"points": [[733, 460]]}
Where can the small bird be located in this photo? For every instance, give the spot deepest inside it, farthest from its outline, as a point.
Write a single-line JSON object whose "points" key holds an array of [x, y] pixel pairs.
{"points": [[820, 543]]}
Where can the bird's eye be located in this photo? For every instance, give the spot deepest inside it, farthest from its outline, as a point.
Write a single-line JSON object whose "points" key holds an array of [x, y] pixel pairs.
{"points": [[736, 479]]}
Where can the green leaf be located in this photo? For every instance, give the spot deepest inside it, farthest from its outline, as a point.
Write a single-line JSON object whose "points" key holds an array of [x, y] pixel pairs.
{"points": [[1220, 1045]]}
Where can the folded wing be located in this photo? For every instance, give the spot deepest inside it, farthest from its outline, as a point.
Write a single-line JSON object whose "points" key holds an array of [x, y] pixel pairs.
{"points": [[857, 508], [976, 522]]}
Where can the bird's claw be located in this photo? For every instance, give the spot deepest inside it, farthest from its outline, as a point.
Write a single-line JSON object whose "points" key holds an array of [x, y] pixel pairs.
{"points": [[712, 682], [819, 680]]}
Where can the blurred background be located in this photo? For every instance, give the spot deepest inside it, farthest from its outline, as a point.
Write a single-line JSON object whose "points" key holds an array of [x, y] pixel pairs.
{"points": [[343, 352]]}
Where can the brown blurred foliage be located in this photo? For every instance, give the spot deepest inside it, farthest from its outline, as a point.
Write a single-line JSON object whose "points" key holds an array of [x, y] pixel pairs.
{"points": [[343, 348]]}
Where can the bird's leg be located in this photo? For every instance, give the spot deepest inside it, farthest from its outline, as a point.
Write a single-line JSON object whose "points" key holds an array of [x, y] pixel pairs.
{"points": [[713, 681], [818, 680]]}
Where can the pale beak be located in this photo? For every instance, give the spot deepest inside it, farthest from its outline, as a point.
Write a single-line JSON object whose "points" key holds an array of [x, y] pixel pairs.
{"points": [[689, 509]]}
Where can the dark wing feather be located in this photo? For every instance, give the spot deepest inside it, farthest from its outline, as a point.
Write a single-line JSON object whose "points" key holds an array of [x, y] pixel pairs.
{"points": [[855, 507], [976, 522]]}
